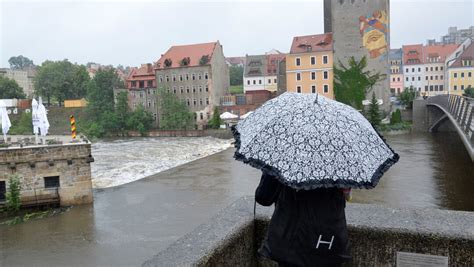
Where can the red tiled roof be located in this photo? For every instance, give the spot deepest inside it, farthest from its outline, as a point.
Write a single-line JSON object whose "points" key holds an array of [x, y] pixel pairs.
{"points": [[311, 43], [272, 69], [194, 52], [412, 54], [441, 51], [145, 72], [467, 54]]}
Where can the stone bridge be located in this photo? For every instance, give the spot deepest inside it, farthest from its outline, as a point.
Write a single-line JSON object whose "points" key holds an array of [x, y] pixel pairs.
{"points": [[446, 112]]}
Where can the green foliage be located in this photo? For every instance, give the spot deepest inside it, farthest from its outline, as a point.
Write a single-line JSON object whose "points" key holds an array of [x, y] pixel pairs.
{"points": [[13, 193], [9, 88], [373, 113], [20, 62], [396, 117], [22, 126], [175, 113], [122, 111], [407, 97], [236, 89], [61, 80], [140, 120], [469, 92], [216, 121], [404, 125], [352, 83], [236, 74]]}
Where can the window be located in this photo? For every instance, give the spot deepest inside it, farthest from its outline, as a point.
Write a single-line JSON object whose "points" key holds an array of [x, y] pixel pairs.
{"points": [[206, 76], [298, 89], [462, 87], [462, 74], [187, 77], [426, 78], [200, 104], [412, 69], [181, 89], [134, 83], [419, 78], [393, 79], [455, 75], [406, 70], [194, 76], [436, 77], [180, 78], [455, 87], [436, 88], [313, 89], [194, 89], [441, 77], [141, 84], [188, 102], [325, 59], [174, 89], [419, 69], [441, 87], [298, 76], [160, 78], [167, 78], [426, 88], [199, 76], [436, 68], [51, 182], [174, 78], [275, 80], [313, 75], [298, 61], [441, 68], [149, 83], [207, 88], [194, 102], [269, 81], [406, 79], [325, 75], [200, 88], [254, 82], [469, 74], [187, 89], [431, 88], [326, 88], [398, 79], [207, 102], [426, 69], [431, 69], [201, 116], [3, 190], [259, 81], [149, 104], [248, 82], [313, 60], [431, 78]]}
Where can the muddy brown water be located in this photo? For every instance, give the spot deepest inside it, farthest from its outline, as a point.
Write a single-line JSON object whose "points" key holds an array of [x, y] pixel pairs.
{"points": [[128, 224]]}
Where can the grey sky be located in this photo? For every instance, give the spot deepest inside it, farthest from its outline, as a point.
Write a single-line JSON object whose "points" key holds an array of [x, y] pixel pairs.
{"points": [[134, 32]]}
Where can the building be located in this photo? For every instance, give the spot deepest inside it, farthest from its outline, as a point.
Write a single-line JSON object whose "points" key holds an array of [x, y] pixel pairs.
{"points": [[396, 71], [141, 89], [461, 71], [48, 173], [413, 68], [197, 74], [24, 78], [454, 36], [235, 61], [261, 71], [309, 65], [434, 59]]}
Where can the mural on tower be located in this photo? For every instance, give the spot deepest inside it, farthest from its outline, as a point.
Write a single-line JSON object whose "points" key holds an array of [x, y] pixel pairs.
{"points": [[374, 31]]}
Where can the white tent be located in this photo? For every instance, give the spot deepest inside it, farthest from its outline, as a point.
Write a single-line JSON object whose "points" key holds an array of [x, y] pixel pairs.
{"points": [[228, 116], [6, 124], [246, 115]]}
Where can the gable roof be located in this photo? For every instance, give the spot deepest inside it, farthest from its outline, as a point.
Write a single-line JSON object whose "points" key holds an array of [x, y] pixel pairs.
{"points": [[438, 51], [412, 54], [145, 72], [467, 54], [194, 52], [312, 43]]}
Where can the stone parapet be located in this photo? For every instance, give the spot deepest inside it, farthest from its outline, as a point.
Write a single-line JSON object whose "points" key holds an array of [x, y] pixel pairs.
{"points": [[376, 234]]}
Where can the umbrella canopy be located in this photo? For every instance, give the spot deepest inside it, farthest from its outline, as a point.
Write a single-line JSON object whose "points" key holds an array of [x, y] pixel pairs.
{"points": [[310, 142], [6, 124], [246, 115], [35, 116], [227, 116], [42, 114]]}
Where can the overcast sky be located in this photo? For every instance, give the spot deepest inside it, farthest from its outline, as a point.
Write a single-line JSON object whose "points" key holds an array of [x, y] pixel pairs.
{"points": [[134, 32]]}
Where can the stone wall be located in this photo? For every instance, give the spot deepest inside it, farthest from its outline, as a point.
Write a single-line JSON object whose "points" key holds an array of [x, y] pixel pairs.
{"points": [[376, 234], [354, 36], [71, 162]]}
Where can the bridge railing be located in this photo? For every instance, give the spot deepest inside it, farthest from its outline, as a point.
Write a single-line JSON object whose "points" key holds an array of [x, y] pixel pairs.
{"points": [[462, 109]]}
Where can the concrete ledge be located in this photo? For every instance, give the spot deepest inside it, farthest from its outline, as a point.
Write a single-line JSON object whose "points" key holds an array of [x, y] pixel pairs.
{"points": [[376, 234]]}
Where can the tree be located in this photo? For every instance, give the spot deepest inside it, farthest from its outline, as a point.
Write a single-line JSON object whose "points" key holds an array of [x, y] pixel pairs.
{"points": [[20, 62], [469, 92], [175, 113], [140, 120], [216, 121], [13, 193], [373, 114], [236, 74], [396, 117], [61, 80], [122, 111], [407, 97], [352, 83], [9, 88], [100, 92]]}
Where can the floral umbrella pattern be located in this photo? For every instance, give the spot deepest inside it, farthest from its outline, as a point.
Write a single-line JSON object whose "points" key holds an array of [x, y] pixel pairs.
{"points": [[310, 141]]}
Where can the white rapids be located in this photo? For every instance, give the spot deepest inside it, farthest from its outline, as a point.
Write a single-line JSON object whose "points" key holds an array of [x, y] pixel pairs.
{"points": [[123, 161]]}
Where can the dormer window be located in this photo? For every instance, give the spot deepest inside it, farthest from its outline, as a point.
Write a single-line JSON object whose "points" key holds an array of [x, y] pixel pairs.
{"points": [[168, 62]]}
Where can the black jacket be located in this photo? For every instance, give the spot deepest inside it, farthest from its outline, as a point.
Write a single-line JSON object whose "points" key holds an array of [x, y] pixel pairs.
{"points": [[308, 228]]}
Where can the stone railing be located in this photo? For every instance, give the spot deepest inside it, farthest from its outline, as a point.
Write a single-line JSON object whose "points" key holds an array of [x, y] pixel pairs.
{"points": [[376, 234]]}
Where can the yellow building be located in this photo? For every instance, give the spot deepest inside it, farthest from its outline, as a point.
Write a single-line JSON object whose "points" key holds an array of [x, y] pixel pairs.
{"points": [[461, 72], [309, 65]]}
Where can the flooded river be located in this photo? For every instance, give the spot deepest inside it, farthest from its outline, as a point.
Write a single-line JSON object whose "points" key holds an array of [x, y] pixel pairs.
{"points": [[128, 224]]}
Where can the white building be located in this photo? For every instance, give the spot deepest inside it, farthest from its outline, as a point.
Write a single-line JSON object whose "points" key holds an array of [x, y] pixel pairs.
{"points": [[413, 68]]}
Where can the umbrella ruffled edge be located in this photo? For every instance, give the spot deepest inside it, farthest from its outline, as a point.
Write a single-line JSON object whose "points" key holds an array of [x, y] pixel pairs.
{"points": [[326, 183]]}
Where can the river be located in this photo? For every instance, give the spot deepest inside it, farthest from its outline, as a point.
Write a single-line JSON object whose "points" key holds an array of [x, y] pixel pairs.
{"points": [[129, 223]]}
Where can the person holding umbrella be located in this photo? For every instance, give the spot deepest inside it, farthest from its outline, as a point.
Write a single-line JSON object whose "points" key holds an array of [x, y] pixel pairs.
{"points": [[310, 150]]}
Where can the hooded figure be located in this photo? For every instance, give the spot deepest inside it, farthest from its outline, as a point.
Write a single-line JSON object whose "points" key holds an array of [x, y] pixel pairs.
{"points": [[308, 227]]}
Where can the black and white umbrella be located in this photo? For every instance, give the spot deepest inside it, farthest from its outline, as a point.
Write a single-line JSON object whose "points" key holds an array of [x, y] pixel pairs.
{"points": [[309, 141]]}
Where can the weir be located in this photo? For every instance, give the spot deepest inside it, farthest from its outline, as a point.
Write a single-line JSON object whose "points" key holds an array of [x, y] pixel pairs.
{"points": [[377, 236]]}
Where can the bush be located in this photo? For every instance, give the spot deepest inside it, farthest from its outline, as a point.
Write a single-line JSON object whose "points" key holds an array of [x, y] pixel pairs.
{"points": [[13, 193], [395, 127], [396, 117], [215, 122], [23, 126]]}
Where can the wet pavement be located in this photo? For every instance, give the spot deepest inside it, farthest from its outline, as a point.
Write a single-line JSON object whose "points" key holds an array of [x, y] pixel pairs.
{"points": [[128, 224]]}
